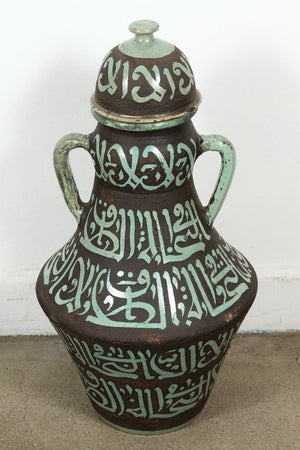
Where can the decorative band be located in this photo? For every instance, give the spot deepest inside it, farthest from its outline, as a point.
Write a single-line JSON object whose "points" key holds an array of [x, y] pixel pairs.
{"points": [[143, 123]]}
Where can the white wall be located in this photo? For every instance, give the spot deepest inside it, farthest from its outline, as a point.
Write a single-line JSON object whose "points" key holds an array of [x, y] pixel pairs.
{"points": [[246, 61]]}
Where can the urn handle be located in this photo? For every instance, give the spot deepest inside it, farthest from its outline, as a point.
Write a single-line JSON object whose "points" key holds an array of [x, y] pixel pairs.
{"points": [[64, 172], [223, 146]]}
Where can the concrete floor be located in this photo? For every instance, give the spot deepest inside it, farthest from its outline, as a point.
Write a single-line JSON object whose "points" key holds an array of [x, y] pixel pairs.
{"points": [[255, 403]]}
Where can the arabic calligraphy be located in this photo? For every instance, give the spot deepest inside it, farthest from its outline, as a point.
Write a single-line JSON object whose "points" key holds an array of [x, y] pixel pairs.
{"points": [[142, 298], [153, 83], [161, 236], [107, 374], [146, 169]]}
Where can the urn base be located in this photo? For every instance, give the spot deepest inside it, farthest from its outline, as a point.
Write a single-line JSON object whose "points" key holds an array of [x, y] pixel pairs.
{"points": [[148, 388], [146, 432]]}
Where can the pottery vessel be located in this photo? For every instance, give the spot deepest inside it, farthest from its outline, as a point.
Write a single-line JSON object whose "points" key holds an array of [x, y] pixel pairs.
{"points": [[146, 294]]}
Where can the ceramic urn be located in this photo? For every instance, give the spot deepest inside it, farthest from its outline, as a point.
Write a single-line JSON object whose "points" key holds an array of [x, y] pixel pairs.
{"points": [[146, 294]]}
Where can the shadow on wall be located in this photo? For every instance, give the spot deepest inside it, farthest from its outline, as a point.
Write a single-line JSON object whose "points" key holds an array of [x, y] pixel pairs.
{"points": [[254, 100], [56, 104], [253, 92]]}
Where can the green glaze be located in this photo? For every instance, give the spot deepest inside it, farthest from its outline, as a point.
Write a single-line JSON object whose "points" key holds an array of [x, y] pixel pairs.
{"points": [[64, 172], [120, 233], [177, 379], [210, 143], [129, 364], [124, 80], [147, 168], [144, 45], [146, 294], [115, 75], [223, 146], [181, 294]]}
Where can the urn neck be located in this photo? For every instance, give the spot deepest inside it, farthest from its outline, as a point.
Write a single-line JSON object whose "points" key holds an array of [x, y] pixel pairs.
{"points": [[145, 162]]}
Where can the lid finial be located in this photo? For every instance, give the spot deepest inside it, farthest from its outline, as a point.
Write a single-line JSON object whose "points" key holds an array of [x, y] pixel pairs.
{"points": [[141, 27], [145, 44]]}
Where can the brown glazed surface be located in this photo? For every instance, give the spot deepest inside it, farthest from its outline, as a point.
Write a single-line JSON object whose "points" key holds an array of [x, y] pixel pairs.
{"points": [[143, 75], [156, 380], [144, 230]]}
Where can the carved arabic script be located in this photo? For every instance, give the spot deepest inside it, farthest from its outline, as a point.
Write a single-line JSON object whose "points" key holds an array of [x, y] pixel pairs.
{"points": [[148, 169], [149, 83], [143, 298], [161, 236], [107, 374]]}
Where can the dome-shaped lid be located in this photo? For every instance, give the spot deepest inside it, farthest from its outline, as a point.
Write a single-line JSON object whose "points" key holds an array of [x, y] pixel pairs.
{"points": [[145, 83]]}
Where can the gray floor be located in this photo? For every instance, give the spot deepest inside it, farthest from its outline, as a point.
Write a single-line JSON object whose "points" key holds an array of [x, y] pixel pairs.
{"points": [[255, 403]]}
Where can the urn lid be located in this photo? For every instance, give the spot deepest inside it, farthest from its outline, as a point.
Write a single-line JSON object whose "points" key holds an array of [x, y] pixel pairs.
{"points": [[144, 83]]}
